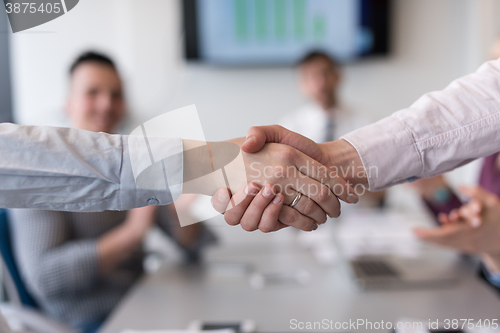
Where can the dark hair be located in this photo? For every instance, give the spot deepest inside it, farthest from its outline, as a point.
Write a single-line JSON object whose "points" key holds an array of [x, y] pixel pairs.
{"points": [[91, 57], [318, 55]]}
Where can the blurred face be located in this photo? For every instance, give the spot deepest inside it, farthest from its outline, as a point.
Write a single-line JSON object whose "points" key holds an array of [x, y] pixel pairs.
{"points": [[96, 101], [495, 50], [318, 81]]}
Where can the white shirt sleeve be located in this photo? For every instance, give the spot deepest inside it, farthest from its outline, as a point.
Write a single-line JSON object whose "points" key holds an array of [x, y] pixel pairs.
{"points": [[75, 170], [441, 131]]}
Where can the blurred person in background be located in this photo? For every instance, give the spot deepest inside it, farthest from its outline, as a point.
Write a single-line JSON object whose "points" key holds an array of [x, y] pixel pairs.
{"points": [[324, 118], [79, 265], [445, 204]]}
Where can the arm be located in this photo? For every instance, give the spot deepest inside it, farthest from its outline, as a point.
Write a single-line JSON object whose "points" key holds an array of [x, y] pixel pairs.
{"points": [[77, 170], [70, 169], [441, 131], [191, 239], [118, 244]]}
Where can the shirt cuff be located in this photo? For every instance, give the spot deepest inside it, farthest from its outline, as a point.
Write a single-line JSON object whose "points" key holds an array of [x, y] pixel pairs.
{"points": [[151, 172], [387, 151]]}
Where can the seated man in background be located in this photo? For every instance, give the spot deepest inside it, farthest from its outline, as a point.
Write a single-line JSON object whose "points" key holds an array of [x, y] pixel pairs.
{"points": [[79, 265], [324, 119]]}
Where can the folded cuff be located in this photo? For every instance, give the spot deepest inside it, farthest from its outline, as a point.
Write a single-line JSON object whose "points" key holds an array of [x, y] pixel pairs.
{"points": [[137, 158], [388, 153]]}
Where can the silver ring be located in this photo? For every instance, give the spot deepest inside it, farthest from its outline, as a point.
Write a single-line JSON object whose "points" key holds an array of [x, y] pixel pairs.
{"points": [[296, 200]]}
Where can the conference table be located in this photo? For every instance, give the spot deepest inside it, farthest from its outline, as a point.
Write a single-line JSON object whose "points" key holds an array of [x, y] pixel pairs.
{"points": [[223, 289]]}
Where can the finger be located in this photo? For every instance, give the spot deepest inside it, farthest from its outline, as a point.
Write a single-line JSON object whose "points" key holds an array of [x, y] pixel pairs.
{"points": [[454, 216], [220, 200], [316, 191], [324, 175], [443, 218], [257, 136], [242, 198], [291, 217], [438, 234], [471, 213], [269, 220], [307, 207], [253, 214]]}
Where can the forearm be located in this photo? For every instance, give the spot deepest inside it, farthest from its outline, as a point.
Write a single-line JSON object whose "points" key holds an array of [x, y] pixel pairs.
{"points": [[117, 245], [75, 170]]}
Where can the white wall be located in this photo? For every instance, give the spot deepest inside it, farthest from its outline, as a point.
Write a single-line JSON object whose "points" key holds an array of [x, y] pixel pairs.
{"points": [[435, 41]]}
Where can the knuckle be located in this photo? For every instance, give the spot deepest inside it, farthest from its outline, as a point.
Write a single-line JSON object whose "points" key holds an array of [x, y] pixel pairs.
{"points": [[309, 207], [286, 154], [307, 226], [323, 194], [290, 216]]}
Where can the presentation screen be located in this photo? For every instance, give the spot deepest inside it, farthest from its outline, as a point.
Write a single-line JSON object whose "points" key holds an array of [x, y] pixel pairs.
{"points": [[245, 32]]}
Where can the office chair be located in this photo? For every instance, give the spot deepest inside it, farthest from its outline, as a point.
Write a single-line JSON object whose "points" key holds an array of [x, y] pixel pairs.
{"points": [[22, 306]]}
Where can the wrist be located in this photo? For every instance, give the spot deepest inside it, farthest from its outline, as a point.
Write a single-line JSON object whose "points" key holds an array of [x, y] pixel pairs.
{"points": [[209, 166], [343, 157]]}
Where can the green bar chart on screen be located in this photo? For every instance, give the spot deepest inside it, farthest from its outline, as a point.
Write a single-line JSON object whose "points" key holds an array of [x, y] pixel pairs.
{"points": [[319, 27], [280, 19], [299, 15], [241, 19], [260, 19], [269, 21]]}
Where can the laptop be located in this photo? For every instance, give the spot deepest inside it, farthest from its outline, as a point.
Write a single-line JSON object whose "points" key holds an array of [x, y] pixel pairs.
{"points": [[373, 272]]}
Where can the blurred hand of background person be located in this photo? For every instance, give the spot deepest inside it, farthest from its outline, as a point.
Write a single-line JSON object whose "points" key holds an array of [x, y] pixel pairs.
{"points": [[458, 232], [428, 187]]}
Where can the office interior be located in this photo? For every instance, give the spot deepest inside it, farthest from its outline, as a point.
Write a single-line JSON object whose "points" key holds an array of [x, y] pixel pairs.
{"points": [[288, 280]]}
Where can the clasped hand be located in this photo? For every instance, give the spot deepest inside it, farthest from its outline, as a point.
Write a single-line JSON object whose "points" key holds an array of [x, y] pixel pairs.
{"points": [[290, 171]]}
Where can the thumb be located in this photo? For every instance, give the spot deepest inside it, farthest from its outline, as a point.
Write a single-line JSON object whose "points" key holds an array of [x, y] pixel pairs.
{"points": [[258, 136]]}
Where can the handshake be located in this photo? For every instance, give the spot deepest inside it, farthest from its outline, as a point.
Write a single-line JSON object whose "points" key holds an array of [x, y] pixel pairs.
{"points": [[289, 180]]}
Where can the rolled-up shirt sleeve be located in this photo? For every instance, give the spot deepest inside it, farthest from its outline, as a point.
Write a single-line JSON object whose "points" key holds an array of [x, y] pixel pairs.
{"points": [[75, 170], [441, 131]]}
